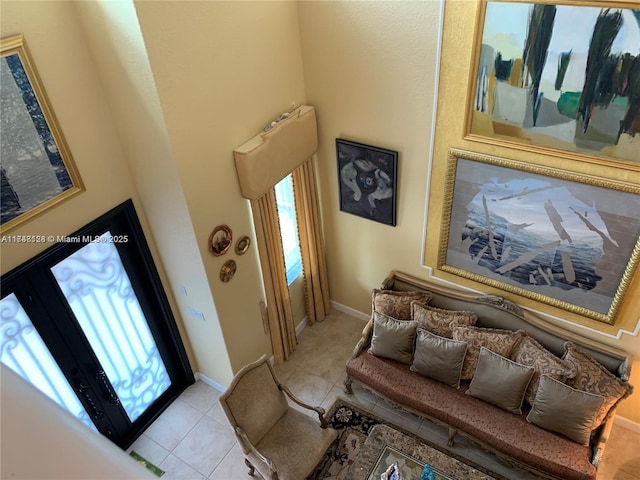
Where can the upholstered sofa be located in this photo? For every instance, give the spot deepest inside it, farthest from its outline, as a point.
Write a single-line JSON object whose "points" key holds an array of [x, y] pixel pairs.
{"points": [[538, 396]]}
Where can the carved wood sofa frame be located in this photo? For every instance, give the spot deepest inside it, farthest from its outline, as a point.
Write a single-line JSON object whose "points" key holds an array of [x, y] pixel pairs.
{"points": [[497, 312]]}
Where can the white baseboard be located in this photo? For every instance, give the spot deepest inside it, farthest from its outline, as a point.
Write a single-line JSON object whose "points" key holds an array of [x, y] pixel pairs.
{"points": [[626, 423], [365, 317], [301, 326], [212, 383]]}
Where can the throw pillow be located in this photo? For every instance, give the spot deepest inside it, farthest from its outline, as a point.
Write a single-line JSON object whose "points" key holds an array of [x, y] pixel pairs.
{"points": [[438, 357], [397, 304], [530, 352], [392, 338], [438, 320], [594, 378], [500, 381], [563, 409], [497, 340]]}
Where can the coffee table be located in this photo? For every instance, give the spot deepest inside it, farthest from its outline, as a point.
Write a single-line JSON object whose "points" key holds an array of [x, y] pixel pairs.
{"points": [[385, 445]]}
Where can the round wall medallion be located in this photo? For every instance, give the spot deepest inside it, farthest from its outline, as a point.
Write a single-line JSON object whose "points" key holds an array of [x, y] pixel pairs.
{"points": [[220, 240], [228, 270], [242, 245]]}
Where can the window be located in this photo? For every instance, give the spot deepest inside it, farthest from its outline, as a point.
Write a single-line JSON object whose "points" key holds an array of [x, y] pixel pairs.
{"points": [[289, 228]]}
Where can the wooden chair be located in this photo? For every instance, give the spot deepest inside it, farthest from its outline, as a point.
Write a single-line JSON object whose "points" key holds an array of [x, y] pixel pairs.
{"points": [[279, 441]]}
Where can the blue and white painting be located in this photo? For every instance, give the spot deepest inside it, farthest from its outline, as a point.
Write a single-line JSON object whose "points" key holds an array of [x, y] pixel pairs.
{"points": [[564, 77], [563, 239]]}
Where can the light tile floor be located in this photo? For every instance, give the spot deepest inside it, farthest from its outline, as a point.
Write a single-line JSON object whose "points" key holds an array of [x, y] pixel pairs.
{"points": [[191, 440]]}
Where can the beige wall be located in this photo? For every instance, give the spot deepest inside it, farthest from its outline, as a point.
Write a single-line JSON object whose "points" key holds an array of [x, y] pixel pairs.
{"points": [[65, 66], [458, 41], [370, 71], [176, 89], [223, 70], [220, 71], [113, 35]]}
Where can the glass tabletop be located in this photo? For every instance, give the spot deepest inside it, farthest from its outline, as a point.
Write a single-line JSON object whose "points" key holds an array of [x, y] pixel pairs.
{"points": [[409, 468]]}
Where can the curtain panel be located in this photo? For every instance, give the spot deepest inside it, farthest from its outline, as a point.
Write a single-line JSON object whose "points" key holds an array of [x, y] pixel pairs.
{"points": [[265, 219], [286, 146], [316, 284]]}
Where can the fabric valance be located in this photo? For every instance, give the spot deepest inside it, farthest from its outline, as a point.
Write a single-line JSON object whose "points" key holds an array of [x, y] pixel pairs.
{"points": [[273, 154]]}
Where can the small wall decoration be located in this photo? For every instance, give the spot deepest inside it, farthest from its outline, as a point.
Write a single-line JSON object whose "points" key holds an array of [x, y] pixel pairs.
{"points": [[220, 240], [242, 245], [228, 270], [560, 238], [558, 79], [367, 178], [36, 167]]}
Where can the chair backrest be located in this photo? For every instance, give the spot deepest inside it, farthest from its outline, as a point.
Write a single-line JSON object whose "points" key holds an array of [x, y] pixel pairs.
{"points": [[253, 401]]}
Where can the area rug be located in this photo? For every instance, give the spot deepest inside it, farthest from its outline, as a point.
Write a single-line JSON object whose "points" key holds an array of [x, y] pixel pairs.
{"points": [[354, 424]]}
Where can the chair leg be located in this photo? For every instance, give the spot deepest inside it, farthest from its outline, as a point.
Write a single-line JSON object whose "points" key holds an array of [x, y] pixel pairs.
{"points": [[452, 434], [252, 469], [348, 381]]}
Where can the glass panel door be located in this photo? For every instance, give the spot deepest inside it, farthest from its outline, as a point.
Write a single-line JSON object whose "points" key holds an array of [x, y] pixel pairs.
{"points": [[88, 323], [24, 352], [99, 292]]}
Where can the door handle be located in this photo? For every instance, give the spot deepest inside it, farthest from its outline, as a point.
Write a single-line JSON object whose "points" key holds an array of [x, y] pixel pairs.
{"points": [[113, 397], [86, 393]]}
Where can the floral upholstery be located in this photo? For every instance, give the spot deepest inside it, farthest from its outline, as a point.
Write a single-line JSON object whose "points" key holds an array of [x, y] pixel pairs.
{"points": [[497, 340], [530, 352], [507, 433], [397, 304], [438, 320], [593, 378]]}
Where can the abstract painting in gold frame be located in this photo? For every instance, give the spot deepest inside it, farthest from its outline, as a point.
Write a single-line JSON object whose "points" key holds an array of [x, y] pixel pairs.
{"points": [[37, 170], [562, 79], [567, 240]]}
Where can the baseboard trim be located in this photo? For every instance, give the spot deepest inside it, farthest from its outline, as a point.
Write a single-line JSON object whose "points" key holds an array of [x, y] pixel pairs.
{"points": [[351, 311], [626, 423], [301, 326], [212, 383]]}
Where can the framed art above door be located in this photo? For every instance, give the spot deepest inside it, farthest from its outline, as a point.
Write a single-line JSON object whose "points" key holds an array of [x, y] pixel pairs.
{"points": [[36, 167]]}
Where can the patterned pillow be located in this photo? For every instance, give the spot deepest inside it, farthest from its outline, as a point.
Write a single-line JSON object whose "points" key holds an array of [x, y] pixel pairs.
{"points": [[438, 320], [530, 352], [592, 377], [397, 304], [497, 340]]}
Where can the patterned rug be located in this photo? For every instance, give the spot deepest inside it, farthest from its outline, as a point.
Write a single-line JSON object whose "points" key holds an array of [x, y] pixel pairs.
{"points": [[354, 424]]}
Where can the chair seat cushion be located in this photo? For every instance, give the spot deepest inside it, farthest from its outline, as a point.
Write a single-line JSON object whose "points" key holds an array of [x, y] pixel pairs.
{"points": [[295, 444]]}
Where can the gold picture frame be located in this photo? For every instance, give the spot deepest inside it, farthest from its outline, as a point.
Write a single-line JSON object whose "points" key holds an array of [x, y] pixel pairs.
{"points": [[242, 245], [564, 239], [220, 240], [531, 87], [36, 165]]}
